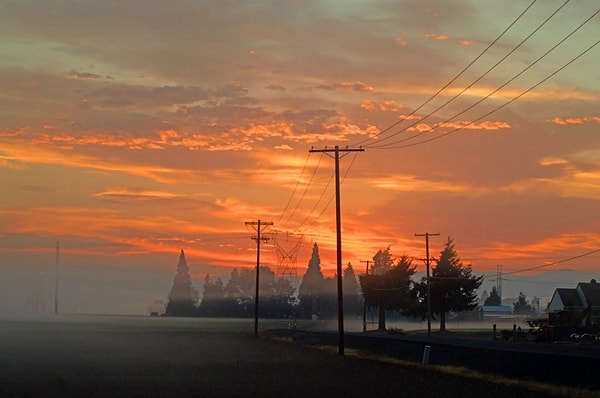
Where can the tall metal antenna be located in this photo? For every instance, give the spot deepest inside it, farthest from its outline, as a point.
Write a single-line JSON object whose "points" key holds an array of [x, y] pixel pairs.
{"points": [[499, 281]]}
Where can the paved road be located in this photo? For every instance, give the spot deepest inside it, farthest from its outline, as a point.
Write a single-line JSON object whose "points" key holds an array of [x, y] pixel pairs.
{"points": [[563, 365]]}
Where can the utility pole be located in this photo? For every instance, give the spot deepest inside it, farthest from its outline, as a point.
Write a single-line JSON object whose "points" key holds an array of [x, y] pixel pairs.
{"points": [[338, 226], [56, 281], [427, 235], [365, 301], [258, 226]]}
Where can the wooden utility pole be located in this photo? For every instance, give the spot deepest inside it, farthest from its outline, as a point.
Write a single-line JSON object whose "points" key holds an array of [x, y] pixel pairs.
{"points": [[427, 235], [365, 301], [257, 225], [338, 226]]}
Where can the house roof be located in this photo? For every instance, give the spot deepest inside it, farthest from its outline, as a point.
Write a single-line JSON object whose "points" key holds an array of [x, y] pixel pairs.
{"points": [[591, 292], [569, 297]]}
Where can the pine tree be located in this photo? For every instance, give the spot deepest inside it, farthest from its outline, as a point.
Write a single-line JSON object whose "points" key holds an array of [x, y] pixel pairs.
{"points": [[311, 286], [494, 298], [522, 306], [213, 302], [352, 305], [182, 297], [453, 287]]}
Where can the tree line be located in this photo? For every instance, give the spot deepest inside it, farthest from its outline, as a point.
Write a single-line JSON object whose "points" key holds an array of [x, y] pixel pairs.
{"points": [[387, 287]]}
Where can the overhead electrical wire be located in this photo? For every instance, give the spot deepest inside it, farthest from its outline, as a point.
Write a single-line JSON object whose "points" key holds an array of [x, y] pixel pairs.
{"points": [[553, 263], [325, 189], [554, 47], [304, 192], [451, 80], [493, 277], [390, 145], [295, 189], [488, 71], [333, 195]]}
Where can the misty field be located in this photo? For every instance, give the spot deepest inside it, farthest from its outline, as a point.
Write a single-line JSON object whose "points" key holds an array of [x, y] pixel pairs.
{"points": [[168, 357]]}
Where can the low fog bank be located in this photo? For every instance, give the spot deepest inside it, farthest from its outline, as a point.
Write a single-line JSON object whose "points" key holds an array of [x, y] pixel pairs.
{"points": [[96, 289], [356, 325]]}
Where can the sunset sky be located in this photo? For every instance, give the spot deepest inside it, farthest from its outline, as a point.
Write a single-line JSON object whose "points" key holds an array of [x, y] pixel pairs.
{"points": [[131, 130]]}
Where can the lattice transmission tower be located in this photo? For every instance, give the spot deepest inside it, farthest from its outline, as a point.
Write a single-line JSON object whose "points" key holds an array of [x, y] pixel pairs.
{"points": [[287, 246]]}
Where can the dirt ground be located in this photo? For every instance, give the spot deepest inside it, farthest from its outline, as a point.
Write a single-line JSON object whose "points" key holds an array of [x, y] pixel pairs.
{"points": [[118, 357]]}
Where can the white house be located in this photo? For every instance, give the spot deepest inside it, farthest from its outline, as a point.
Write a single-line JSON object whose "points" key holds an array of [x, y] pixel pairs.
{"points": [[585, 297]]}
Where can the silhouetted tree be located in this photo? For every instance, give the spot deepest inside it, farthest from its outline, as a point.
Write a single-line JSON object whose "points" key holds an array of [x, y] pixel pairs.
{"points": [[352, 302], [387, 287], [236, 298], [522, 306], [213, 302], [182, 297], [494, 298], [328, 298], [275, 294], [240, 290], [311, 286], [453, 287]]}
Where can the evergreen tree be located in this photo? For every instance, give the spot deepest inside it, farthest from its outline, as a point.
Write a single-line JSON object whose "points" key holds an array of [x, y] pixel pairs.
{"points": [[453, 287], [311, 286], [522, 306], [352, 302], [387, 287], [236, 298], [494, 298], [240, 290], [213, 302], [182, 297]]}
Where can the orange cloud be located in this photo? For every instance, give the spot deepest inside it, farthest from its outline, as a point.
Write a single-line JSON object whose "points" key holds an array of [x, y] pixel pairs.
{"points": [[437, 36], [487, 125], [368, 105], [568, 242], [126, 192], [408, 183], [401, 42], [574, 120], [385, 106], [356, 86], [421, 128]]}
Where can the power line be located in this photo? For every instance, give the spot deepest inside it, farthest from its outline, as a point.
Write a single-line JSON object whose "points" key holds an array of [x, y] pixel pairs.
{"points": [[315, 219], [550, 264], [295, 188], [553, 263], [388, 146], [451, 80], [304, 192], [508, 54]]}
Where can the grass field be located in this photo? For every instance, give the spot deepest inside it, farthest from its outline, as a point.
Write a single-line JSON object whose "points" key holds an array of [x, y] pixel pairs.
{"points": [[170, 357]]}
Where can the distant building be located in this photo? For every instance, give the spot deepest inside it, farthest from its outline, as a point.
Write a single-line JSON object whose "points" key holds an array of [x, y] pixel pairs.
{"points": [[584, 299]]}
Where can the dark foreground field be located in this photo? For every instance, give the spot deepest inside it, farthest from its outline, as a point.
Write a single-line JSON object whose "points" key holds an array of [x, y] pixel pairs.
{"points": [[159, 357]]}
